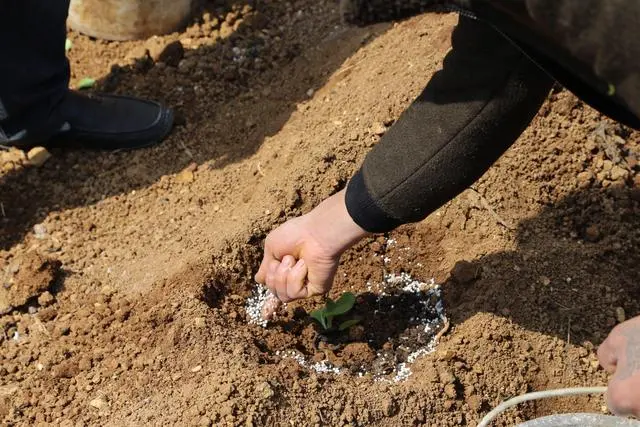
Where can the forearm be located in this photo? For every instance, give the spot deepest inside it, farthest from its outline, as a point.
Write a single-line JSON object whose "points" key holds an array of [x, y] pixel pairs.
{"points": [[468, 115]]}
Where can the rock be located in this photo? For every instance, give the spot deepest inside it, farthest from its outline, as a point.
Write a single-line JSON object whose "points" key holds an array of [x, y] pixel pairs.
{"points": [[99, 403], [379, 129], [196, 369], [264, 391], [465, 272], [200, 322], [584, 179], [618, 173], [45, 299], [172, 54], [357, 354], [450, 391], [38, 156], [205, 421], [621, 316], [35, 276], [592, 233], [475, 402], [47, 314], [185, 177], [66, 369]]}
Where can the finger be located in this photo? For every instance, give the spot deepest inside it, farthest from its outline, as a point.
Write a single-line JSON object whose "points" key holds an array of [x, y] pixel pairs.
{"points": [[297, 281], [607, 355], [608, 359], [320, 284], [261, 275], [270, 281], [280, 277]]}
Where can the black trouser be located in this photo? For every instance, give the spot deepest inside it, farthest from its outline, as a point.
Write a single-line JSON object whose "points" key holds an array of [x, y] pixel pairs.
{"points": [[34, 71]]}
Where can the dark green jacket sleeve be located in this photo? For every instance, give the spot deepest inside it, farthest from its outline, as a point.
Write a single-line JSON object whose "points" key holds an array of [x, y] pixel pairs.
{"points": [[469, 114]]}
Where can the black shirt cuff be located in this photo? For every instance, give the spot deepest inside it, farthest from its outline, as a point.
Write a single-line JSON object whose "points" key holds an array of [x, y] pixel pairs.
{"points": [[364, 210]]}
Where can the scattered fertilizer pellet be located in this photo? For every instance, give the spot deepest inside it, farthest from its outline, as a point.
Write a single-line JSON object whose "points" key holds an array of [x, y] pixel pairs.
{"points": [[261, 303]]}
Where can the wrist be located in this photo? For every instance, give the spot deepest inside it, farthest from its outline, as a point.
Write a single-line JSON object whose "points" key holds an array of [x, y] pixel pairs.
{"points": [[333, 226]]}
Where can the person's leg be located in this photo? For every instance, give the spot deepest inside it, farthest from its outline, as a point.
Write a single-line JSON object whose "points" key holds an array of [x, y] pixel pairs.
{"points": [[34, 72], [36, 105]]}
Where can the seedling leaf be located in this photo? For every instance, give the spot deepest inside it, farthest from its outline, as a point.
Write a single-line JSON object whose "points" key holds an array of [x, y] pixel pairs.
{"points": [[319, 315], [86, 83], [348, 324], [343, 305]]}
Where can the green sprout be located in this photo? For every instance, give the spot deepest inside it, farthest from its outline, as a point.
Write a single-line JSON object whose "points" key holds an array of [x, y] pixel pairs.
{"points": [[86, 83], [332, 309]]}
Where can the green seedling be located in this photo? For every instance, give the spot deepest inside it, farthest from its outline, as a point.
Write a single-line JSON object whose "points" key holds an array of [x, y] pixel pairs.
{"points": [[86, 83], [332, 309]]}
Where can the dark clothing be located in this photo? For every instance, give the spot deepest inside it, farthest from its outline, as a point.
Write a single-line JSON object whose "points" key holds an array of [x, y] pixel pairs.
{"points": [[497, 75], [34, 72]]}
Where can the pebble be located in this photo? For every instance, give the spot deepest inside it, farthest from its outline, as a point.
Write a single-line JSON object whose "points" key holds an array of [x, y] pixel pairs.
{"points": [[196, 369], [621, 316], [38, 156], [450, 391], [99, 403]]}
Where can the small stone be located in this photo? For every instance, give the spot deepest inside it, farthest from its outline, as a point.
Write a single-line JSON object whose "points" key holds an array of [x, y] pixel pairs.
{"points": [[474, 402], [46, 299], [379, 129], [545, 281], [584, 179], [621, 316], [205, 421], [196, 369], [185, 177], [38, 156], [99, 403], [619, 173], [199, 322], [40, 231], [465, 272], [450, 391], [66, 369]]}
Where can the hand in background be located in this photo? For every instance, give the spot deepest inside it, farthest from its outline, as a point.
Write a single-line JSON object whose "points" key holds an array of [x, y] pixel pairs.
{"points": [[619, 354]]}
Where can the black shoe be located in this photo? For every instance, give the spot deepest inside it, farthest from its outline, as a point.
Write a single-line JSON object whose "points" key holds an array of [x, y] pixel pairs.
{"points": [[366, 12], [98, 122]]}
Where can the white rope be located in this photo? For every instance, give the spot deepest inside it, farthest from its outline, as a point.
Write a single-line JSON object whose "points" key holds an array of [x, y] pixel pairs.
{"points": [[538, 395]]}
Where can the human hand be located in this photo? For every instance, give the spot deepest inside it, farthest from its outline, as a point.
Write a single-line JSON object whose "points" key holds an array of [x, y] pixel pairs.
{"points": [[619, 354], [302, 255]]}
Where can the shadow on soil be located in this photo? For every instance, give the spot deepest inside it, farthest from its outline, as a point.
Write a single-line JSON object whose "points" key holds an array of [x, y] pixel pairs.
{"points": [[575, 266], [225, 111]]}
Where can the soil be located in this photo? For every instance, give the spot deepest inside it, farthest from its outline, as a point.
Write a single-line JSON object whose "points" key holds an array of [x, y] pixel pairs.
{"points": [[127, 273]]}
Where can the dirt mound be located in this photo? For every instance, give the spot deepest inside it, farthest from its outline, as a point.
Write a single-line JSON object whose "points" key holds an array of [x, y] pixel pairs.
{"points": [[278, 106]]}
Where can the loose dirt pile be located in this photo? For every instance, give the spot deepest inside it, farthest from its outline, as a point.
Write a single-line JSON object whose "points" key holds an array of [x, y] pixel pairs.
{"points": [[138, 316]]}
